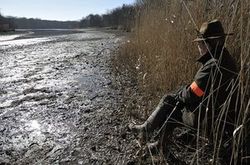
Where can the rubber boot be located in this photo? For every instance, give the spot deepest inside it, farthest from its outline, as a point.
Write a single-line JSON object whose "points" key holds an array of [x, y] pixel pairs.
{"points": [[160, 114], [156, 119]]}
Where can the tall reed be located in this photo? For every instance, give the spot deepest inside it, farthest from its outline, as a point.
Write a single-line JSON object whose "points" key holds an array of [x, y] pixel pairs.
{"points": [[160, 55]]}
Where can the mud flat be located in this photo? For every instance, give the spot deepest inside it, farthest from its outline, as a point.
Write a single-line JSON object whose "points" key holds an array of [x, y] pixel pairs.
{"points": [[58, 100]]}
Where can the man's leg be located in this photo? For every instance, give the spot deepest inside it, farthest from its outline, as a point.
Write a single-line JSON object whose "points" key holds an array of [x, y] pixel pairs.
{"points": [[158, 117], [173, 120]]}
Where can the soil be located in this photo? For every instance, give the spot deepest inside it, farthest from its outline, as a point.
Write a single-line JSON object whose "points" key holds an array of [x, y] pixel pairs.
{"points": [[62, 103], [59, 101]]}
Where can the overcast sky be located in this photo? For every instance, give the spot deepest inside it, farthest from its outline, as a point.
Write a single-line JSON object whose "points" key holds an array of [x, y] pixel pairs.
{"points": [[58, 9]]}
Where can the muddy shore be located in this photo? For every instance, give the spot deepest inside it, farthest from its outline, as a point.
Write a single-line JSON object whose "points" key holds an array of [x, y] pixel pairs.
{"points": [[59, 101]]}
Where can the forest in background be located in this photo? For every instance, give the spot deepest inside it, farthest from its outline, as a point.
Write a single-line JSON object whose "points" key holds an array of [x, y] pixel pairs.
{"points": [[6, 21], [122, 18], [31, 23]]}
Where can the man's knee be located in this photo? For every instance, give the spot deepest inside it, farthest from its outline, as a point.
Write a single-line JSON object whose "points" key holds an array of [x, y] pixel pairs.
{"points": [[169, 99], [171, 107]]}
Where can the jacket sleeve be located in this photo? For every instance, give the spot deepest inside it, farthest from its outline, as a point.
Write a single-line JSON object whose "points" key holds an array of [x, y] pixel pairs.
{"points": [[193, 94]]}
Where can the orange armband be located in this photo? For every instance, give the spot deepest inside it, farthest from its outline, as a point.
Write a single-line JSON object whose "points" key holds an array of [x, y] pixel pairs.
{"points": [[196, 89]]}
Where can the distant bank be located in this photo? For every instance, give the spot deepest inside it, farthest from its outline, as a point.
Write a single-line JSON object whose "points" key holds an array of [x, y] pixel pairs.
{"points": [[6, 24], [121, 18], [31, 23], [12, 23]]}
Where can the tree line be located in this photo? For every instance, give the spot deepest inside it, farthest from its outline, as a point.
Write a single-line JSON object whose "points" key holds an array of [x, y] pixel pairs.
{"points": [[122, 18], [4, 20], [119, 18], [31, 23]]}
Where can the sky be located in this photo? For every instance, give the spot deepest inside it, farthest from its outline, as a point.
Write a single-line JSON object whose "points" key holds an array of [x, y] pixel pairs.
{"points": [[61, 10]]}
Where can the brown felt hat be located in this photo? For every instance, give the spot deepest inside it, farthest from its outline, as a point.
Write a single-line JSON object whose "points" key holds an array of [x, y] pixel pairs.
{"points": [[211, 30]]}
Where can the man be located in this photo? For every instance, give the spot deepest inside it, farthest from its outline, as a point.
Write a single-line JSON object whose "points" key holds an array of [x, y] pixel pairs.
{"points": [[204, 99]]}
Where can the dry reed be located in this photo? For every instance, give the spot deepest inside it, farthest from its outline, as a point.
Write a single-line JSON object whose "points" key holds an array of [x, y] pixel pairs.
{"points": [[160, 55]]}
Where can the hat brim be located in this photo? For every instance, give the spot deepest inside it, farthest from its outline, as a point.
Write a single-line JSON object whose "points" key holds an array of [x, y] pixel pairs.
{"points": [[211, 38]]}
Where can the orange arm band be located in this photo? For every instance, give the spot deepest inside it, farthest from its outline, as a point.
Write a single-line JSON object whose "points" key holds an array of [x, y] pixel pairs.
{"points": [[196, 89]]}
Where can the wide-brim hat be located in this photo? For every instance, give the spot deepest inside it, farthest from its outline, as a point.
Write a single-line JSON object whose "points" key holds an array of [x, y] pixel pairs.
{"points": [[211, 30]]}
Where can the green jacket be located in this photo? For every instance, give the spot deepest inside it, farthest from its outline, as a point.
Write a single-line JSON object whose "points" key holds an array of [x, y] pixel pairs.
{"points": [[212, 83]]}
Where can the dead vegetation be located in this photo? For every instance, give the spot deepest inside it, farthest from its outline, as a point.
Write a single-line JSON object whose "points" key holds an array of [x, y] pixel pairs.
{"points": [[160, 56]]}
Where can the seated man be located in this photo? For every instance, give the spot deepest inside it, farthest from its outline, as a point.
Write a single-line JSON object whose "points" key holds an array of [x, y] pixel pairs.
{"points": [[204, 97]]}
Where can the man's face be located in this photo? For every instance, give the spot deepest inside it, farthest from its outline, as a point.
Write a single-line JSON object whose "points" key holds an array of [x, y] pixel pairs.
{"points": [[203, 47]]}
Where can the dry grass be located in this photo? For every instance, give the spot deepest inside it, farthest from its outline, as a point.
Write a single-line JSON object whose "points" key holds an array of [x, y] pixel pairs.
{"points": [[160, 56]]}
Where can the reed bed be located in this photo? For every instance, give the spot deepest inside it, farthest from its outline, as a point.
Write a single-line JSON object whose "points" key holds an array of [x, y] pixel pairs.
{"points": [[159, 56]]}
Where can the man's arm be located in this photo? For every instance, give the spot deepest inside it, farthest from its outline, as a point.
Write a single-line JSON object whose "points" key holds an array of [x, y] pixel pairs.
{"points": [[194, 93]]}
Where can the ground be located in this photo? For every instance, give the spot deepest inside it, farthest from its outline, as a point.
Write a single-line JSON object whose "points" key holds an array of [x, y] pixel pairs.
{"points": [[59, 102]]}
